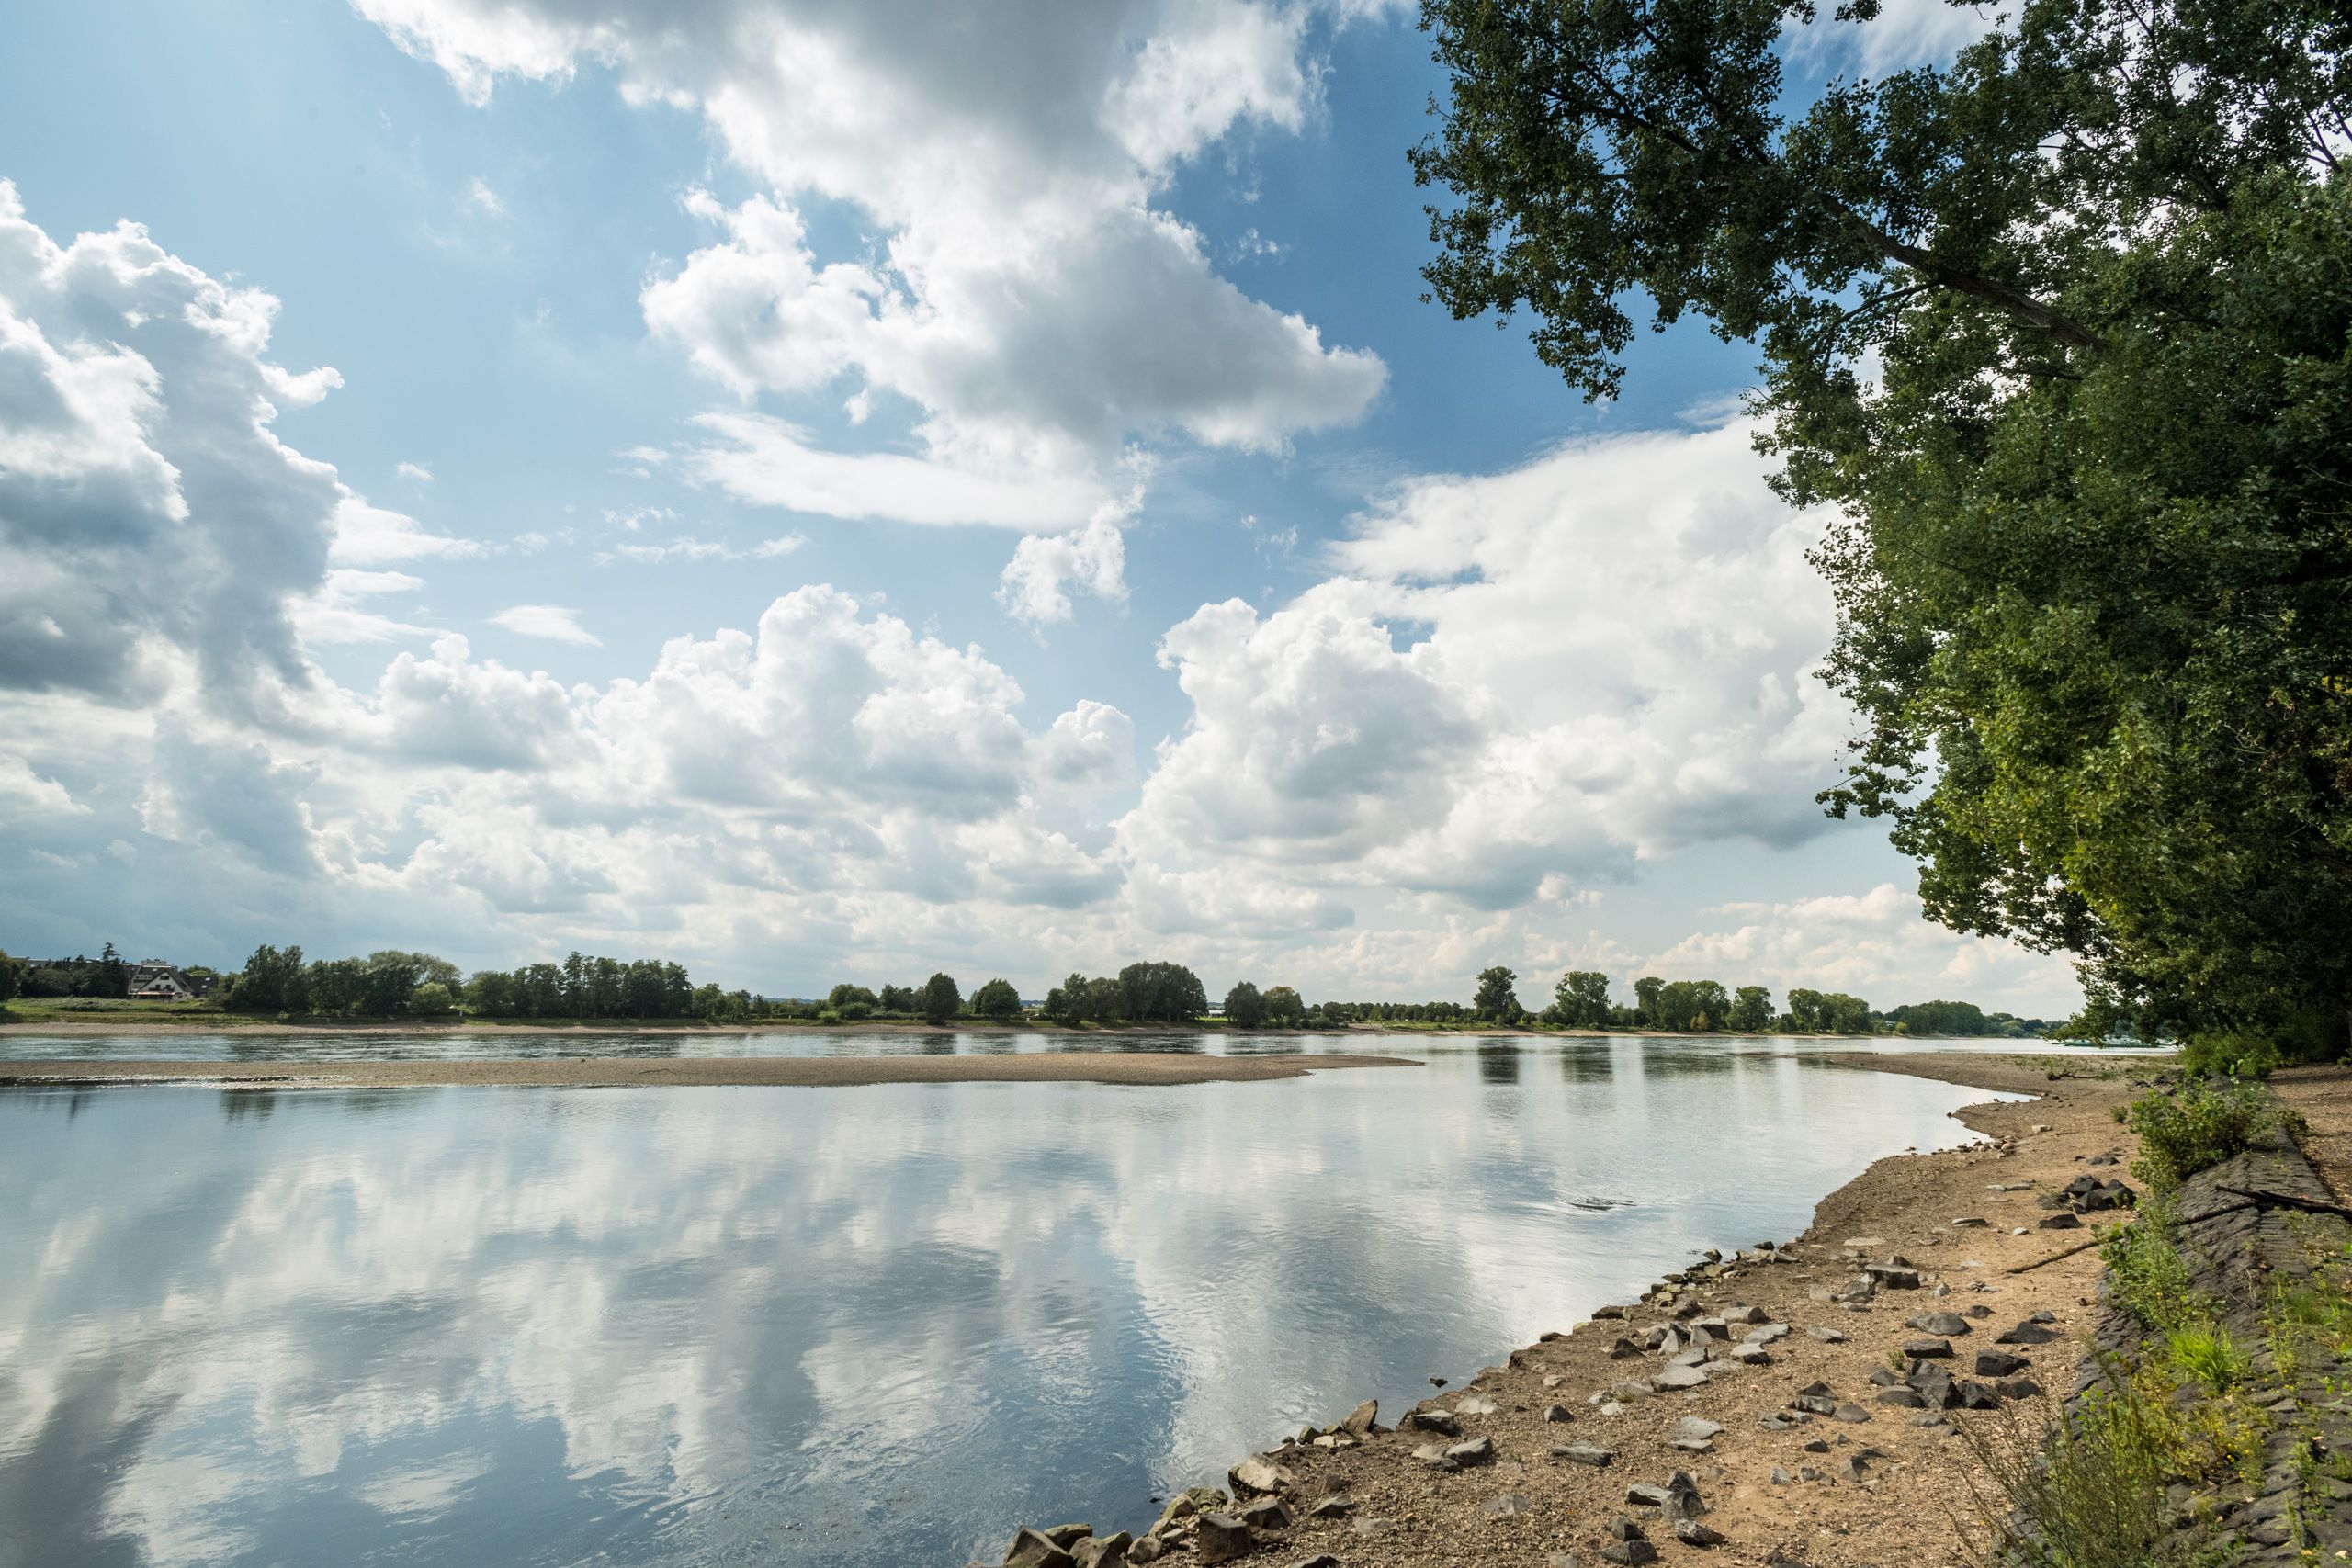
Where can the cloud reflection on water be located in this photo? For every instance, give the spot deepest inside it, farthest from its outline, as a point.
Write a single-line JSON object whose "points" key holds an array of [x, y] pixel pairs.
{"points": [[822, 1325]]}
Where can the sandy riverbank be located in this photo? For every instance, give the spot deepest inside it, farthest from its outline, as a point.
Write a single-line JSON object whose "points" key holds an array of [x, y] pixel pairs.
{"points": [[1883, 1490], [581, 1072]]}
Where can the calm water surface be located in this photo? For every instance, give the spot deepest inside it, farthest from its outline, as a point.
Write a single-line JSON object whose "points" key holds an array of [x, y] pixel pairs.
{"points": [[804, 1327]]}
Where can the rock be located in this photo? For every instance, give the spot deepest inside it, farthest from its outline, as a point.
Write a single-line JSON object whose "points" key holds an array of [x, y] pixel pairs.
{"points": [[1362, 1419], [1817, 1445], [1815, 1403], [1945, 1324], [1928, 1349], [1751, 1355], [1697, 1426], [1623, 1528], [1975, 1396], [1222, 1539], [1766, 1334], [1999, 1364], [1268, 1514], [1437, 1382], [1864, 1243], [1826, 1335], [1146, 1550], [1185, 1504], [1508, 1506], [1558, 1413], [1860, 1288], [1320, 1560], [1586, 1454], [1970, 1223], [2027, 1333], [2061, 1221], [1853, 1414], [1257, 1475], [1780, 1477], [1893, 1276], [1679, 1377], [1338, 1505], [2110, 1195], [1807, 1472], [1682, 1499], [1852, 1469], [1438, 1421], [1634, 1552], [2010, 1186], [1713, 1328], [1616, 1312], [1434, 1456], [1690, 1532], [1477, 1450], [1108, 1551], [1910, 1398], [1471, 1406], [1067, 1537], [1622, 1350], [1031, 1549], [2017, 1388]]}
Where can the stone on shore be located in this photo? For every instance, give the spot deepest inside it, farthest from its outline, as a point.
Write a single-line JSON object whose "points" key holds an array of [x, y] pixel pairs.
{"points": [[1260, 1475], [1438, 1421], [1944, 1325], [1679, 1377], [1362, 1419], [1477, 1450], [1221, 1538], [1999, 1364], [1033, 1549], [1590, 1454], [1104, 1552], [1690, 1532]]}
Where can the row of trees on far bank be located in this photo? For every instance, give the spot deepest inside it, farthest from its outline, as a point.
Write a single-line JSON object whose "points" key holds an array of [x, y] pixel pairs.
{"points": [[394, 983]]}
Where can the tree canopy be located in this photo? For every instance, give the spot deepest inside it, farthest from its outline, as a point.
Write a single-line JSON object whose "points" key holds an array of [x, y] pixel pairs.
{"points": [[2060, 330]]}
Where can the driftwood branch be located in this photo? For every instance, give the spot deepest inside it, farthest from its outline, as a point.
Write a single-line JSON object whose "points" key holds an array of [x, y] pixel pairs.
{"points": [[2078, 1247]]}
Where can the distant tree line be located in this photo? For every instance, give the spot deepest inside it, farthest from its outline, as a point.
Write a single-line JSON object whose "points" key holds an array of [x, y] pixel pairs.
{"points": [[392, 983]]}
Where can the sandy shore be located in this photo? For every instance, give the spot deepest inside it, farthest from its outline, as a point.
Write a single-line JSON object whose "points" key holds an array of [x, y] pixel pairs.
{"points": [[1884, 1486], [580, 1072]]}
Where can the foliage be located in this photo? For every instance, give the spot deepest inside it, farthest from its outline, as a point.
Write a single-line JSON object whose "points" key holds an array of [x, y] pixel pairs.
{"points": [[2195, 1127], [271, 981], [938, 999], [12, 976], [1244, 1007], [1162, 993], [1752, 1011], [1284, 1010], [1826, 1012], [2089, 550], [894, 998], [2147, 1276], [2206, 1352], [432, 999], [845, 994], [1580, 1001], [1496, 998], [997, 999], [2095, 1496]]}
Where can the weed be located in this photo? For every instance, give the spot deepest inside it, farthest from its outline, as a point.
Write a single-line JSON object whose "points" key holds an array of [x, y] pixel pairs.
{"points": [[2146, 1273], [2200, 1125], [2095, 1496], [2207, 1353]]}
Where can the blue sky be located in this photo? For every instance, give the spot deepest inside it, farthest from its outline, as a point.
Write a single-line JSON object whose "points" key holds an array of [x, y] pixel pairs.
{"points": [[815, 492]]}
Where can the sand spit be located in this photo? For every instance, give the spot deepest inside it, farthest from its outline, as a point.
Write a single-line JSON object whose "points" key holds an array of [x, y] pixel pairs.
{"points": [[581, 1072]]}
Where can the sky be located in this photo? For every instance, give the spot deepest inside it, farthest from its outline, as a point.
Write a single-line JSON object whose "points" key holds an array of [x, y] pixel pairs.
{"points": [[825, 491]]}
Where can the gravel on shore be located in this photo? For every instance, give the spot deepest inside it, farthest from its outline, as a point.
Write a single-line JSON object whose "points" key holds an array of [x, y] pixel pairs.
{"points": [[642, 1072], [1592, 1448]]}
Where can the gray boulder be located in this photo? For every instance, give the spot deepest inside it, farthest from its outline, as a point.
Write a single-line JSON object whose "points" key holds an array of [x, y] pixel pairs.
{"points": [[1221, 1538]]}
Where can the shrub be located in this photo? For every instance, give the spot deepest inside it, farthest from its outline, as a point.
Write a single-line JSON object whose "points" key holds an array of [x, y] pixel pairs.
{"points": [[2199, 1126], [2147, 1278], [2094, 1498], [2231, 1055]]}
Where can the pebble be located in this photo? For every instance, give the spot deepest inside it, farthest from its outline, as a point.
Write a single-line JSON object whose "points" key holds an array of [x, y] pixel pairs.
{"points": [[1586, 1454]]}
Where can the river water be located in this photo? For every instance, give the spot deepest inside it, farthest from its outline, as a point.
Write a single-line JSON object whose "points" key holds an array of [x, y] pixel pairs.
{"points": [[881, 1325]]}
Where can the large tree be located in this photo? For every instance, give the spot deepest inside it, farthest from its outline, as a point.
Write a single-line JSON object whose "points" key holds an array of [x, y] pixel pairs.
{"points": [[1497, 997], [2060, 331]]}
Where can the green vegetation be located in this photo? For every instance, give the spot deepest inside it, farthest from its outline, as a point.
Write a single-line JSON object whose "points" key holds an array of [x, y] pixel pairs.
{"points": [[2198, 1125], [2147, 1274], [2057, 332], [1143, 993], [997, 1001]]}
